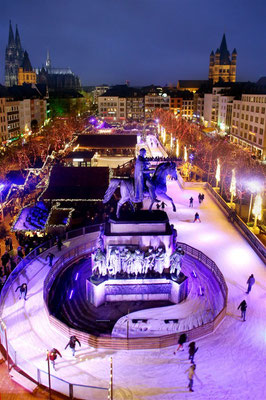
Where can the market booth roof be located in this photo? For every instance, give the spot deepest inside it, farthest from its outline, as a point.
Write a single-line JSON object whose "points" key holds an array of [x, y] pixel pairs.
{"points": [[77, 184], [107, 141]]}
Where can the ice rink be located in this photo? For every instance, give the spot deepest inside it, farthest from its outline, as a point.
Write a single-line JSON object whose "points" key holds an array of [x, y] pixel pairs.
{"points": [[230, 362]]}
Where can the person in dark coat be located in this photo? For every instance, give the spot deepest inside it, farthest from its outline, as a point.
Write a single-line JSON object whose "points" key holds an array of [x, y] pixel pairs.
{"points": [[197, 217], [59, 243], [182, 339], [250, 282], [243, 307], [23, 289], [52, 356], [50, 256], [20, 253], [192, 351], [191, 202], [5, 259], [72, 344], [199, 197]]}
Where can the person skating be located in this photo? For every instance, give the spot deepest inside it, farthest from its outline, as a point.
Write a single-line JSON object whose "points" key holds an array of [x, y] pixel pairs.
{"points": [[191, 374], [191, 202], [72, 344], [197, 217], [52, 356], [182, 339], [192, 351], [23, 288], [250, 282], [243, 307], [199, 197], [163, 204], [50, 256]]}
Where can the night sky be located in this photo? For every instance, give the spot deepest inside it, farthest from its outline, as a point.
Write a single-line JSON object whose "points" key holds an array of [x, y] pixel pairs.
{"points": [[143, 41]]}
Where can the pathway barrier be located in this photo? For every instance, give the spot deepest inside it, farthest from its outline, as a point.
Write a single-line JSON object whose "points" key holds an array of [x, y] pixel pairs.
{"points": [[255, 243], [36, 374], [114, 343], [77, 391]]}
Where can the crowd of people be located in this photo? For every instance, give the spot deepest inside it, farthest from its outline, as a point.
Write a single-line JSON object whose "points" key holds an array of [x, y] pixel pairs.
{"points": [[12, 256]]}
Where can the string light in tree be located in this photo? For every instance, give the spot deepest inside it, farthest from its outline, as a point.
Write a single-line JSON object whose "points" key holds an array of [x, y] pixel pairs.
{"points": [[177, 150], [257, 209], [218, 172], [185, 154], [233, 187]]}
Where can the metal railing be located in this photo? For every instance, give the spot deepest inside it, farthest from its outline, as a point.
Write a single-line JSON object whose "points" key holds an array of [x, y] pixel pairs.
{"points": [[110, 342], [36, 374], [243, 228]]}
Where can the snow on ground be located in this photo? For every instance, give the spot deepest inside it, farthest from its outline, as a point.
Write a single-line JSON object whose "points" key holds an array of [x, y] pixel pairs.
{"points": [[230, 362]]}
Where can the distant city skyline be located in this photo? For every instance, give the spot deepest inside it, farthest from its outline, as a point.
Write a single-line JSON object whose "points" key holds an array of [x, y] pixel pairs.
{"points": [[144, 42]]}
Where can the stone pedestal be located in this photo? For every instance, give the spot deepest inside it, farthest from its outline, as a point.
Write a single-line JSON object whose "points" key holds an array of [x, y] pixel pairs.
{"points": [[136, 290], [142, 228]]}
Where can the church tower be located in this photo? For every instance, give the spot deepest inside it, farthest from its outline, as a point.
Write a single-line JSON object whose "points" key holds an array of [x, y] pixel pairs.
{"points": [[13, 57], [222, 66]]}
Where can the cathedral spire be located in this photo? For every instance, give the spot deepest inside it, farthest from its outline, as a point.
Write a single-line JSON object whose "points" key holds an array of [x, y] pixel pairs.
{"points": [[48, 60], [17, 39], [224, 53], [11, 41]]}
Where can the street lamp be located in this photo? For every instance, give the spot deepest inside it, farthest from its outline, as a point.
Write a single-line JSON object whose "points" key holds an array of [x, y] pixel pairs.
{"points": [[1, 200], [233, 187], [254, 187], [218, 172]]}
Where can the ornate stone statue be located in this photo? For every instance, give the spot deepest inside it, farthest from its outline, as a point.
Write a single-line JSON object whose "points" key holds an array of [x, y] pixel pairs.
{"points": [[100, 240], [114, 262], [159, 260], [142, 177], [138, 262], [126, 257], [99, 263], [148, 264], [175, 261]]}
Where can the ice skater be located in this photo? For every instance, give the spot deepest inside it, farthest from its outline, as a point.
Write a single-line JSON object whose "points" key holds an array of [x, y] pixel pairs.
{"points": [[182, 339], [243, 307], [72, 344], [191, 202], [23, 289], [250, 282], [50, 256], [197, 217], [52, 356], [191, 374], [192, 351], [199, 197], [163, 204]]}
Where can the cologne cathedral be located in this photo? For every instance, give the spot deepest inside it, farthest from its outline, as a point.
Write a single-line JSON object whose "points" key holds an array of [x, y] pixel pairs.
{"points": [[14, 57]]}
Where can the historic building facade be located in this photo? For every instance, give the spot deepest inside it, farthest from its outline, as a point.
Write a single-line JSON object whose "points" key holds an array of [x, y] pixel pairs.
{"points": [[25, 72], [222, 65], [13, 57], [57, 78]]}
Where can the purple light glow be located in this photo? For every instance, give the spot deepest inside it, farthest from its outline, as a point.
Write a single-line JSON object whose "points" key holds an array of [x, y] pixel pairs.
{"points": [[71, 294], [77, 275]]}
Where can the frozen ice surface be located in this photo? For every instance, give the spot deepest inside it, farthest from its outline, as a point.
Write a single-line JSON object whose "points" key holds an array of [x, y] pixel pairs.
{"points": [[230, 362]]}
